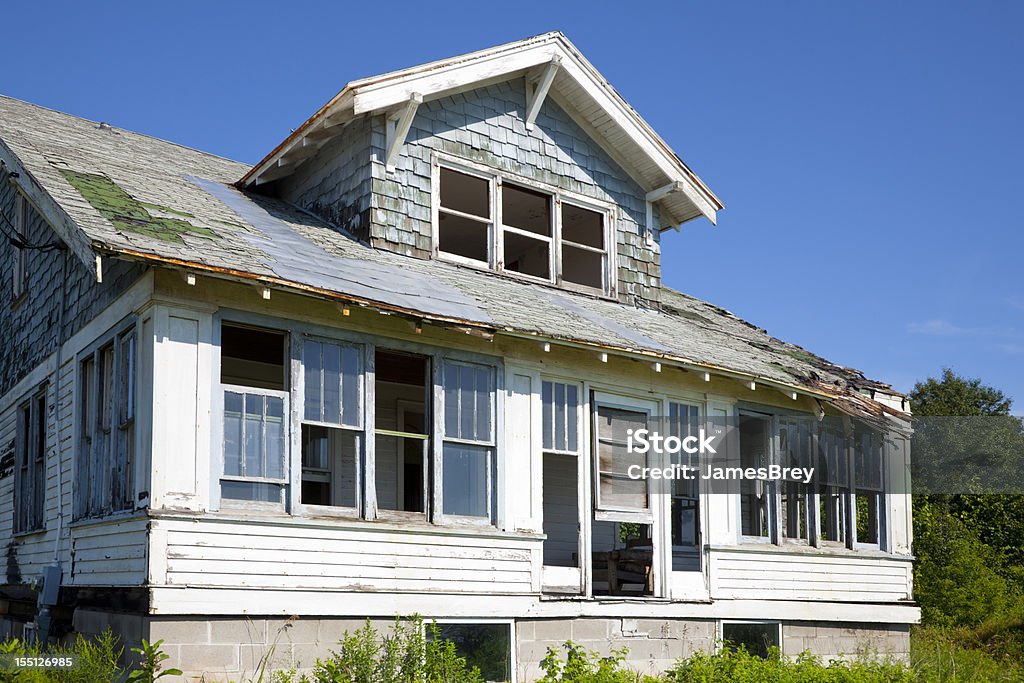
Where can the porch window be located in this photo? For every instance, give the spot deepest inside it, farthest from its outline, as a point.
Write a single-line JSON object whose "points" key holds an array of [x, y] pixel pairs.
{"points": [[106, 462], [468, 465], [756, 509], [30, 464], [795, 451], [867, 463], [402, 443], [560, 404], [560, 440], [255, 410], [519, 226], [833, 475], [623, 497], [684, 421], [332, 426]]}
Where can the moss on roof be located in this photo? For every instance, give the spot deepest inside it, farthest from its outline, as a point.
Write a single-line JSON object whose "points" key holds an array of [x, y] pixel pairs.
{"points": [[128, 213]]}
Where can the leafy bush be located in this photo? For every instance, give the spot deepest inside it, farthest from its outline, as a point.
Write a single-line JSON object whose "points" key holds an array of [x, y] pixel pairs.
{"points": [[738, 666], [581, 666], [405, 654], [96, 659]]}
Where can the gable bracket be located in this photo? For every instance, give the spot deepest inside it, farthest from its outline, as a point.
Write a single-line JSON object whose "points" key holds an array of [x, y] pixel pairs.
{"points": [[398, 125], [535, 96]]}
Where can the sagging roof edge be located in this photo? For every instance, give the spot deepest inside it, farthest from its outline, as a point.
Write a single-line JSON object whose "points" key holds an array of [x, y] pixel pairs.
{"points": [[854, 405], [344, 100]]}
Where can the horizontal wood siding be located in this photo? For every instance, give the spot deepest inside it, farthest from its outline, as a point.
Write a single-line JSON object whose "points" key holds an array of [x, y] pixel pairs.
{"points": [[227, 553], [109, 553], [782, 576]]}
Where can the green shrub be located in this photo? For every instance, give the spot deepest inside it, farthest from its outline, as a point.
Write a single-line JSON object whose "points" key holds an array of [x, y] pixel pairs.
{"points": [[404, 654], [992, 651], [738, 666], [581, 666]]}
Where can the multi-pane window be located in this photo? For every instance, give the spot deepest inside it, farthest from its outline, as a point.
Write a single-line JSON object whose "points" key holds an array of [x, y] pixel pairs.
{"points": [[106, 462], [255, 415], [756, 508], [683, 421], [402, 433], [560, 405], [795, 452], [332, 425], [867, 472], [561, 443], [30, 464], [833, 476], [468, 466], [518, 227]]}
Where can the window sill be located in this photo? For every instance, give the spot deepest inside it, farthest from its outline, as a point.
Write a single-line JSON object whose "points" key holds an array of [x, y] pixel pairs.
{"points": [[805, 550], [30, 532], [112, 518], [284, 519], [480, 266]]}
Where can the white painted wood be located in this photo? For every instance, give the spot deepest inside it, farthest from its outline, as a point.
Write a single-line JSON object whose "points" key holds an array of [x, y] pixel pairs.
{"points": [[536, 94], [398, 128]]}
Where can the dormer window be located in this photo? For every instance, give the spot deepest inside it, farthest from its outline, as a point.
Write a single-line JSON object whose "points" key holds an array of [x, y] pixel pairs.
{"points": [[520, 227]]}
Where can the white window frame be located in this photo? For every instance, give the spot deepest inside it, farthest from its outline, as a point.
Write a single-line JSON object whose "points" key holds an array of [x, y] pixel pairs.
{"points": [[608, 513], [700, 423], [297, 356], [497, 229], [285, 481], [578, 425]]}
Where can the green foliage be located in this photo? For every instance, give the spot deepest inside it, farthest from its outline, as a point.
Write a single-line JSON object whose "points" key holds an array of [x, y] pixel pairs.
{"points": [[991, 652], [151, 667], [581, 666], [738, 666], [955, 580], [96, 659], [956, 395], [404, 654]]}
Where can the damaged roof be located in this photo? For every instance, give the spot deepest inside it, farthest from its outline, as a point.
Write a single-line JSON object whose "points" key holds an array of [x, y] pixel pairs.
{"points": [[114, 192]]}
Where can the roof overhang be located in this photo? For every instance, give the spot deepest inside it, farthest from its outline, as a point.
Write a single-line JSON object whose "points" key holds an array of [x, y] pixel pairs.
{"points": [[573, 83]]}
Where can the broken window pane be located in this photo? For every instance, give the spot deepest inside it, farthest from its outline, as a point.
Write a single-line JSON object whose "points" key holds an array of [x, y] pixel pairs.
{"points": [[527, 255], [833, 480], [463, 237], [465, 193], [329, 459], [526, 209], [402, 441], [754, 494], [582, 226], [582, 266], [252, 357], [795, 452], [868, 481]]}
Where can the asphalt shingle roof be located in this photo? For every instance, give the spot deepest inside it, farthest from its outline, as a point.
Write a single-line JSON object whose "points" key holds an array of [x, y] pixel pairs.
{"points": [[146, 198]]}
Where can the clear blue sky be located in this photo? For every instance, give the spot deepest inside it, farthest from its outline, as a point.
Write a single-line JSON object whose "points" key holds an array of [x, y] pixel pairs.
{"points": [[870, 154]]}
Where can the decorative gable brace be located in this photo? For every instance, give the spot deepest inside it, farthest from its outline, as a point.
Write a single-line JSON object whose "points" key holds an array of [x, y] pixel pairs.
{"points": [[536, 92], [398, 128]]}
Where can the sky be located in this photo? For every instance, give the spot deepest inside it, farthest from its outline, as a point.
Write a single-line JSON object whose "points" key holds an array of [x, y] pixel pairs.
{"points": [[869, 154]]}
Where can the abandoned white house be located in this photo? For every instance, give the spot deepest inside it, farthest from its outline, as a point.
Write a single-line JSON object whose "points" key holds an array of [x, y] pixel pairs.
{"points": [[388, 371]]}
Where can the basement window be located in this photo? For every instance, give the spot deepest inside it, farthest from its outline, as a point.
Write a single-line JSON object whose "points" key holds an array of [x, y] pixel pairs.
{"points": [[255, 404], [485, 646], [517, 226], [758, 638]]}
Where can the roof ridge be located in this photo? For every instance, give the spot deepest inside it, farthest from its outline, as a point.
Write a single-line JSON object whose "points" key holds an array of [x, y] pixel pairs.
{"points": [[123, 130]]}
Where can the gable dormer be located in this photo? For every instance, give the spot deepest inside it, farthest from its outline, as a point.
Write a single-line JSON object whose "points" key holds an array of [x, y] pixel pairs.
{"points": [[520, 159]]}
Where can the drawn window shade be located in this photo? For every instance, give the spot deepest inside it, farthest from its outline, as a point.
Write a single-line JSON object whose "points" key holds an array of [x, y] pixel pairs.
{"points": [[402, 440], [255, 404], [332, 423], [106, 460], [620, 497], [468, 467], [584, 252], [527, 232], [464, 216]]}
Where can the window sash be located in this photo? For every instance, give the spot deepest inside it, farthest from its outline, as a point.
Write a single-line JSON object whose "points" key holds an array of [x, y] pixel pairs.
{"points": [[560, 422], [616, 476], [322, 403], [498, 228]]}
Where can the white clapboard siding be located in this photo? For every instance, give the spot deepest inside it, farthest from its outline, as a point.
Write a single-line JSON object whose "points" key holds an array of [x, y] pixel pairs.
{"points": [[109, 553], [231, 553], [799, 576]]}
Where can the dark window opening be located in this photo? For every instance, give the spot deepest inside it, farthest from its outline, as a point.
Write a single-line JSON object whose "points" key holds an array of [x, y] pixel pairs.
{"points": [[464, 215], [526, 209], [402, 437], [561, 510], [329, 458], [487, 647], [252, 357], [757, 639], [583, 246], [527, 255], [465, 193], [754, 494], [622, 556], [463, 237]]}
